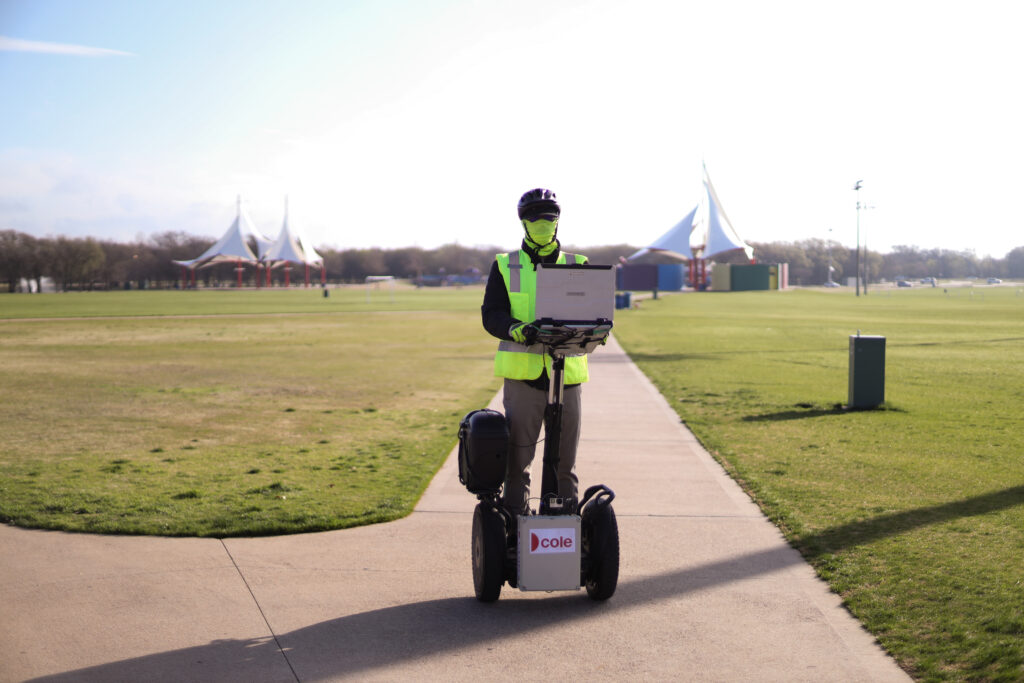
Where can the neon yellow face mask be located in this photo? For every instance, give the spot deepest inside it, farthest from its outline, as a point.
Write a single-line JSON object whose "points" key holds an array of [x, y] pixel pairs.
{"points": [[541, 234]]}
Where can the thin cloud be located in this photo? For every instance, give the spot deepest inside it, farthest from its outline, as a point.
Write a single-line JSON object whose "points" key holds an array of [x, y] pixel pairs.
{"points": [[18, 45]]}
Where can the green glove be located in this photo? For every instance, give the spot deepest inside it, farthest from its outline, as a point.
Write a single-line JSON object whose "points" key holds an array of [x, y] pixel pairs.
{"points": [[524, 333]]}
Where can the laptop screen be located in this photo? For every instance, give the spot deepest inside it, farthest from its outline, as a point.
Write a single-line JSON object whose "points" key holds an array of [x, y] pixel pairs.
{"points": [[575, 293]]}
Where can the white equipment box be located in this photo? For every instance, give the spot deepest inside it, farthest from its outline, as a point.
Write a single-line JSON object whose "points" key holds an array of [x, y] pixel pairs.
{"points": [[549, 553]]}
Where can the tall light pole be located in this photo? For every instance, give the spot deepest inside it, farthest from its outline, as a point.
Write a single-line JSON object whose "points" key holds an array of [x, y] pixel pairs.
{"points": [[857, 188], [830, 256], [867, 257], [867, 254]]}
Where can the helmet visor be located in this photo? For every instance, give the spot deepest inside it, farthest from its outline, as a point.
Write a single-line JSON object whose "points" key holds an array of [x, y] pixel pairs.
{"points": [[553, 217], [542, 210]]}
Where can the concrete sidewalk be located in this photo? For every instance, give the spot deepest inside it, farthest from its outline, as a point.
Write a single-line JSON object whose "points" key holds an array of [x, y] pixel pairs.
{"points": [[708, 589]]}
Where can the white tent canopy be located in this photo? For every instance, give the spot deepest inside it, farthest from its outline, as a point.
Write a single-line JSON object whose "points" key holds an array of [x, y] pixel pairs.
{"points": [[720, 236], [675, 242], [233, 246], [291, 246], [705, 231]]}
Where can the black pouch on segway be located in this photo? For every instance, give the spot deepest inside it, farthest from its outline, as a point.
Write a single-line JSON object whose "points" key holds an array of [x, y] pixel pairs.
{"points": [[483, 451]]}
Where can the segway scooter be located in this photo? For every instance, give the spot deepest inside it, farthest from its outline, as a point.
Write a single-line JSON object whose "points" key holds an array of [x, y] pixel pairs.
{"points": [[566, 543]]}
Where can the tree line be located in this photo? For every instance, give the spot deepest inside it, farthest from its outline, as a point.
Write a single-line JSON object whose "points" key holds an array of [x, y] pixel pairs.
{"points": [[87, 263], [809, 262], [90, 264]]}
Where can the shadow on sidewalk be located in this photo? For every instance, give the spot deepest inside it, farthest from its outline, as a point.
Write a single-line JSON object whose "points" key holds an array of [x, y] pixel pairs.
{"points": [[363, 643]]}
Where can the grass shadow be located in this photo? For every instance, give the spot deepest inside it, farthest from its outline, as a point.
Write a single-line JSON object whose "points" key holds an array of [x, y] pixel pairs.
{"points": [[807, 410], [868, 530], [800, 412]]}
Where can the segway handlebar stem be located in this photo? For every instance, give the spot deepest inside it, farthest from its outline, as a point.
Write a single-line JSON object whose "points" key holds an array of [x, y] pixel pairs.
{"points": [[562, 338]]}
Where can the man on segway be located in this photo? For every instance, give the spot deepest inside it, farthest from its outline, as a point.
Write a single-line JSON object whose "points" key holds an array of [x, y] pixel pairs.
{"points": [[549, 310], [508, 311]]}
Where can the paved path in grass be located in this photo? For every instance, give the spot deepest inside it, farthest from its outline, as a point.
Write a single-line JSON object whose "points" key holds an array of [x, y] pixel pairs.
{"points": [[708, 589]]}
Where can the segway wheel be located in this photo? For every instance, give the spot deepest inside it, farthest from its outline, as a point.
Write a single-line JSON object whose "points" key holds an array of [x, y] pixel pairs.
{"points": [[601, 542], [488, 552]]}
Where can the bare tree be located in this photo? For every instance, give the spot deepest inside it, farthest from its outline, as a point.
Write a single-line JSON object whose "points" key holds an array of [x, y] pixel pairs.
{"points": [[77, 261], [17, 253]]}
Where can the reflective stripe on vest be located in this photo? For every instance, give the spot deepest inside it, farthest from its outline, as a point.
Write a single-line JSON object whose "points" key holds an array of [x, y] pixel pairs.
{"points": [[513, 272]]}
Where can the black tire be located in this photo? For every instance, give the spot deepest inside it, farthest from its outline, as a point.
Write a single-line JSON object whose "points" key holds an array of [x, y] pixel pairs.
{"points": [[488, 552], [601, 544]]}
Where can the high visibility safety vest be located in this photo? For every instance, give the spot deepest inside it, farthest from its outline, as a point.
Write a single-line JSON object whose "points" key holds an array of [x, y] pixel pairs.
{"points": [[519, 361]]}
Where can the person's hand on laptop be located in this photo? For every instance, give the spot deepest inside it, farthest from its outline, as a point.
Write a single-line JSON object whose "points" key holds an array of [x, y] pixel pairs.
{"points": [[523, 333]]}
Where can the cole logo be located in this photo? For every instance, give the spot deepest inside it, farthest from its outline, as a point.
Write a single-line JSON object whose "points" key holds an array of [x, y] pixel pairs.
{"points": [[552, 541]]}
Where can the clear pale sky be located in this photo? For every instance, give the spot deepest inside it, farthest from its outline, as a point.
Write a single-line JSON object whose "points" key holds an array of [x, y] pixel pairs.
{"points": [[413, 122]]}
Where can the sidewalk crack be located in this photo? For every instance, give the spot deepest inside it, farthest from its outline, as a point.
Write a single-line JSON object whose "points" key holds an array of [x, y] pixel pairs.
{"points": [[260, 608]]}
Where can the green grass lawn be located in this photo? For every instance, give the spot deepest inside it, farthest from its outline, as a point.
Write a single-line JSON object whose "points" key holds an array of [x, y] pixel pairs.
{"points": [[914, 513], [235, 422], [228, 301]]}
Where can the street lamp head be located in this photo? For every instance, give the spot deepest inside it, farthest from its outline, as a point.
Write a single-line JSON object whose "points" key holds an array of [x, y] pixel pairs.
{"points": [[857, 186]]}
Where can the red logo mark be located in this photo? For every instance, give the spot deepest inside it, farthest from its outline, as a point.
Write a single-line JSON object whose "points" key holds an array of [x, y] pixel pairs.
{"points": [[552, 541]]}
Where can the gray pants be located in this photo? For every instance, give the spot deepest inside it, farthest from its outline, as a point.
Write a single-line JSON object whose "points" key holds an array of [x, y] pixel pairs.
{"points": [[524, 410]]}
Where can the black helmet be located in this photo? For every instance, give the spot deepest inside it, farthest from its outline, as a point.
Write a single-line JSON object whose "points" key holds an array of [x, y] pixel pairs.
{"points": [[538, 202]]}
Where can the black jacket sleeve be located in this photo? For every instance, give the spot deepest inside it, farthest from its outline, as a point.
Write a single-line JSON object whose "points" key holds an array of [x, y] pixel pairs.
{"points": [[496, 310]]}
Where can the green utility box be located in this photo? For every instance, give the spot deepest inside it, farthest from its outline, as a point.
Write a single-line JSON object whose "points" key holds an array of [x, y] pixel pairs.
{"points": [[867, 371], [752, 277]]}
